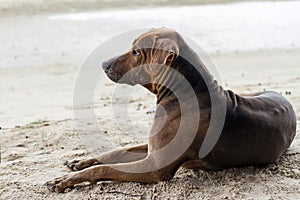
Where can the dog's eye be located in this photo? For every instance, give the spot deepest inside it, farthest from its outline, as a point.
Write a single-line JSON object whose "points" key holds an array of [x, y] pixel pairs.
{"points": [[136, 52]]}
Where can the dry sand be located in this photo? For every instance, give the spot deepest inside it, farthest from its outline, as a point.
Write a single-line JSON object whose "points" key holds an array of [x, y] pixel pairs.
{"points": [[34, 153]]}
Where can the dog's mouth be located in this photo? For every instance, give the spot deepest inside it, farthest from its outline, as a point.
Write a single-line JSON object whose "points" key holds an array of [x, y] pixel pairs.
{"points": [[112, 75], [117, 77]]}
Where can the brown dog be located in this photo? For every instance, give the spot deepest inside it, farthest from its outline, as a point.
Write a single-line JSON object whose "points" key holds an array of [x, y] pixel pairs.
{"points": [[256, 130]]}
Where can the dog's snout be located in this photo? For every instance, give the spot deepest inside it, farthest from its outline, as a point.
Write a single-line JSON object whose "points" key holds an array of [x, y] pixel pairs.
{"points": [[105, 66]]}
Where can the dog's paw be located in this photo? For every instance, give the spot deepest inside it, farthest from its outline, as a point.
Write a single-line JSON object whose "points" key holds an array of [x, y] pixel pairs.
{"points": [[77, 165], [73, 165], [57, 184]]}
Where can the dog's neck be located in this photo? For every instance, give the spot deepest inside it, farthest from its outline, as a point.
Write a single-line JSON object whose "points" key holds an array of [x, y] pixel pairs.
{"points": [[188, 77]]}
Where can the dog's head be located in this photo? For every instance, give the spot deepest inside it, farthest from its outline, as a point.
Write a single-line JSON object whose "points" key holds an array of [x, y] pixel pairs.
{"points": [[150, 55]]}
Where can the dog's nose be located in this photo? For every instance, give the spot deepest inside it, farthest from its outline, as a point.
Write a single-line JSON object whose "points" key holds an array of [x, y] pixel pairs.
{"points": [[105, 66]]}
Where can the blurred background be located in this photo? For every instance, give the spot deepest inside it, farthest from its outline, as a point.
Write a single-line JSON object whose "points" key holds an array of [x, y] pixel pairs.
{"points": [[44, 43]]}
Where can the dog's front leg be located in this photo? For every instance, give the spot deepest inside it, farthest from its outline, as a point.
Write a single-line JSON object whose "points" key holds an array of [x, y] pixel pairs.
{"points": [[122, 155], [146, 171]]}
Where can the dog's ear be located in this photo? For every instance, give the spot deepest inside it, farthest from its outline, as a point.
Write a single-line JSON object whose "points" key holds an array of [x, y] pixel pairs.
{"points": [[168, 49], [164, 52]]}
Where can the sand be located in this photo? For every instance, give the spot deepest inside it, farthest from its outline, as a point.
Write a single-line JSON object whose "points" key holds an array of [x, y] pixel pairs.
{"points": [[34, 154], [38, 131]]}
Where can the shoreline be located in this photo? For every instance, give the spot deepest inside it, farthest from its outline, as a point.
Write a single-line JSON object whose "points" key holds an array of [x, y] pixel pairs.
{"points": [[34, 7]]}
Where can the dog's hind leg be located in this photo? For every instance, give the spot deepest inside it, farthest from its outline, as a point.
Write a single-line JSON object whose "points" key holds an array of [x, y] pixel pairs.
{"points": [[199, 164], [123, 155]]}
